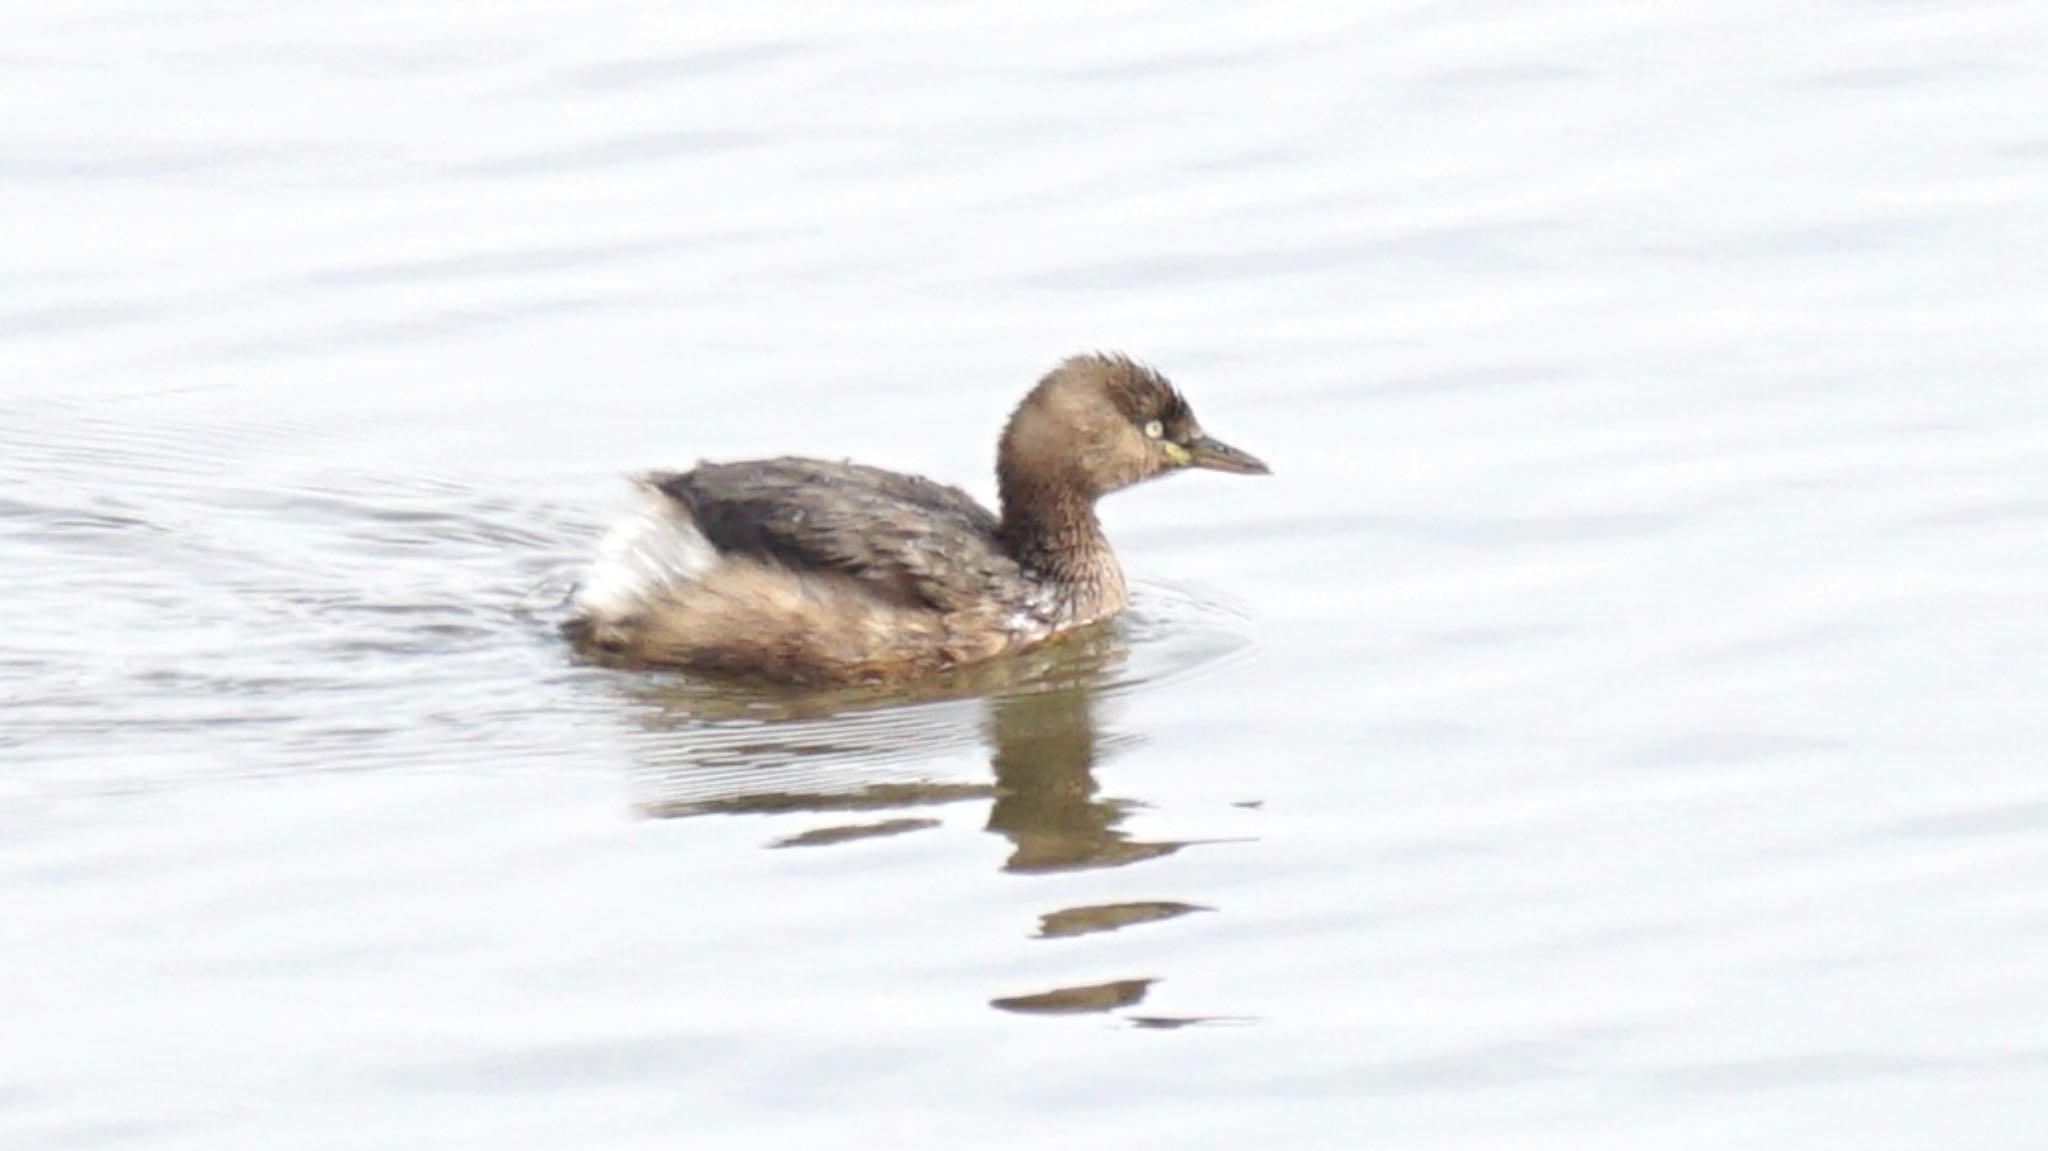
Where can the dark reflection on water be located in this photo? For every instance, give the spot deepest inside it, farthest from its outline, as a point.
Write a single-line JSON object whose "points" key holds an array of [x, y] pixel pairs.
{"points": [[1078, 1000], [826, 836], [1044, 746], [761, 750], [1109, 917]]}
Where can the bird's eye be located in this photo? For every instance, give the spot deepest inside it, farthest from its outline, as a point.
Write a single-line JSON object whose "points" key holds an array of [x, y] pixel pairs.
{"points": [[1154, 430]]}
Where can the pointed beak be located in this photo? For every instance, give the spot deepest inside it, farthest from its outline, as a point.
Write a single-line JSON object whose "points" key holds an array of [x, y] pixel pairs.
{"points": [[1204, 452]]}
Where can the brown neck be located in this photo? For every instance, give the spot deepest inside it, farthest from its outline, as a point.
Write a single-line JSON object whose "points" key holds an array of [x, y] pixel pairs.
{"points": [[1053, 532]]}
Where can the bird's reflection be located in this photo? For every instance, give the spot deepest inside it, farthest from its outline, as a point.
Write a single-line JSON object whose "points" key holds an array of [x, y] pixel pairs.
{"points": [[1043, 745], [898, 753], [757, 750]]}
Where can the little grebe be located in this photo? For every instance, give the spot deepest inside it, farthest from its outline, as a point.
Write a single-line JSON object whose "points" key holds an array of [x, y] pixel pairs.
{"points": [[818, 572]]}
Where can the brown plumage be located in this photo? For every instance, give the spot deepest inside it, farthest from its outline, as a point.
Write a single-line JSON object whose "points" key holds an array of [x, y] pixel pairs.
{"points": [[810, 571]]}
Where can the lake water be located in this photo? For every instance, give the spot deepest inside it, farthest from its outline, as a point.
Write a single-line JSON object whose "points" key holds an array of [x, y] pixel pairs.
{"points": [[1618, 723]]}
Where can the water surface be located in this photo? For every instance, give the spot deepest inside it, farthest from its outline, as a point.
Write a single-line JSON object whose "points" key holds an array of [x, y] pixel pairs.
{"points": [[1617, 722]]}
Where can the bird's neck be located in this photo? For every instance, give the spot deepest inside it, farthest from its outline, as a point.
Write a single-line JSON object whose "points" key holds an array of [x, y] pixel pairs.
{"points": [[1054, 534]]}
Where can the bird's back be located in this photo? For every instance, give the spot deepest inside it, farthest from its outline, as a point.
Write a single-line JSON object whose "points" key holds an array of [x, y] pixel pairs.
{"points": [[906, 536], [804, 569]]}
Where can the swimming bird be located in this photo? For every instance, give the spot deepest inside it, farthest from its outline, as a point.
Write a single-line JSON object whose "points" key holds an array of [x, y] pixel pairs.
{"points": [[811, 571]]}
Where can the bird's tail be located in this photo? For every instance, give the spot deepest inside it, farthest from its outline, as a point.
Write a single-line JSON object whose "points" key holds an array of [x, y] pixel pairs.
{"points": [[652, 550]]}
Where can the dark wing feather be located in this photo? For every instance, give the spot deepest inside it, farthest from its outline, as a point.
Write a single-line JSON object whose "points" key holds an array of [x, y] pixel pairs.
{"points": [[915, 540]]}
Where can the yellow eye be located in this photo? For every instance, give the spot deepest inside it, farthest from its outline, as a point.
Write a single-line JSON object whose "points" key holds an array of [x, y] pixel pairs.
{"points": [[1154, 430]]}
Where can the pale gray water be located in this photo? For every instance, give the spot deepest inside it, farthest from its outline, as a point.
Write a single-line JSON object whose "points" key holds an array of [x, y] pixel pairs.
{"points": [[1618, 723]]}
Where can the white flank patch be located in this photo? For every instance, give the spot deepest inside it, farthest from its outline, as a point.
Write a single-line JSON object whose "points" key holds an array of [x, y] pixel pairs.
{"points": [[654, 547]]}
